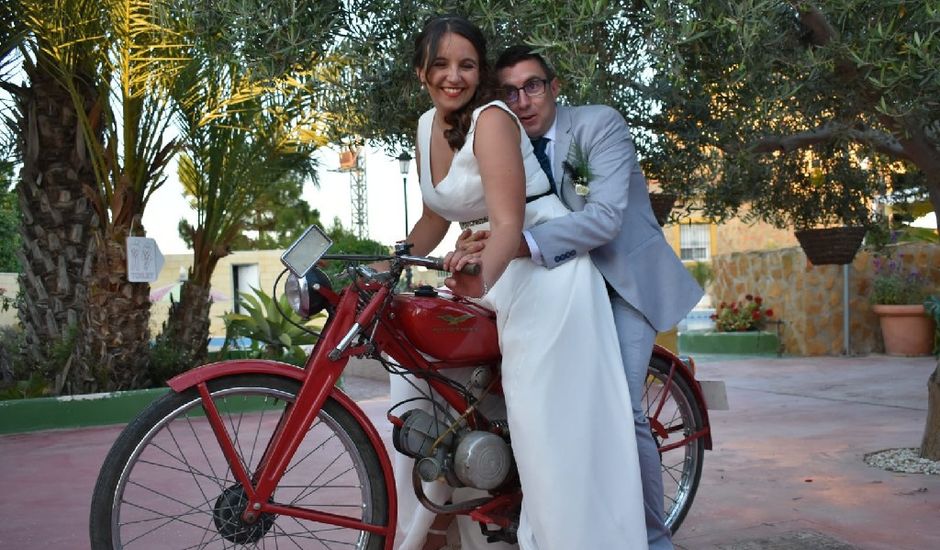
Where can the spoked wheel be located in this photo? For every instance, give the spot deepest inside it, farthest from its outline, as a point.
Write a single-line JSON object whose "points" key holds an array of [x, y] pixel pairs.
{"points": [[675, 417], [166, 483]]}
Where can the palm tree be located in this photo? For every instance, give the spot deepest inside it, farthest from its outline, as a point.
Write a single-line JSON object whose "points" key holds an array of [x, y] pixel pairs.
{"points": [[241, 143], [104, 69], [57, 173], [113, 59]]}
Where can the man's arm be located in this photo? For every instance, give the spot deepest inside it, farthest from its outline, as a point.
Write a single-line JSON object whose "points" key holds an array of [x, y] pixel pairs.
{"points": [[606, 142]]}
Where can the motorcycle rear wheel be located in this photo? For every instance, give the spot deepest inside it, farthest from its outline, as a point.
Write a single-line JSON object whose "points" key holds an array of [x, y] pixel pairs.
{"points": [[166, 484], [680, 417]]}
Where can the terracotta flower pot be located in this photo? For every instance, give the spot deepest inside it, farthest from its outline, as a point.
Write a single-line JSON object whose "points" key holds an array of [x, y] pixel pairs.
{"points": [[906, 329]]}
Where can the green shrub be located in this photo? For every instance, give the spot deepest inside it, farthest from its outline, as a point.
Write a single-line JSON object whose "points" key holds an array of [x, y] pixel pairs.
{"points": [[702, 272]]}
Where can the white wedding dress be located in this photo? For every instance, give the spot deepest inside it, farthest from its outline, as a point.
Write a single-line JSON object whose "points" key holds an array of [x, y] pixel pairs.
{"points": [[568, 405]]}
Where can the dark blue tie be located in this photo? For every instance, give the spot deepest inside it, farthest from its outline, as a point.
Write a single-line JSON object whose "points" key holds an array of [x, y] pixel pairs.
{"points": [[539, 146]]}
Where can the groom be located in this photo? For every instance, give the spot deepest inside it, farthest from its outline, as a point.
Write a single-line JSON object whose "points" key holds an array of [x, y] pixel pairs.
{"points": [[611, 220]]}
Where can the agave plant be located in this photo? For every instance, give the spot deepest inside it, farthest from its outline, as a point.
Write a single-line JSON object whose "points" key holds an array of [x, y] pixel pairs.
{"points": [[275, 330]]}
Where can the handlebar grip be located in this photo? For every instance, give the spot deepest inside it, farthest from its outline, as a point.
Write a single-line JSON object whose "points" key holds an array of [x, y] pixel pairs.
{"points": [[471, 269]]}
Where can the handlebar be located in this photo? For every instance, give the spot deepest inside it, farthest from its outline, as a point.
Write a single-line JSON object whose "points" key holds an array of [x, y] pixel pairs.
{"points": [[429, 262]]}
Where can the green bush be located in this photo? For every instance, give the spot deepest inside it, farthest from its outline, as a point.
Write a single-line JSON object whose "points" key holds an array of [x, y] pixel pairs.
{"points": [[17, 381], [702, 272]]}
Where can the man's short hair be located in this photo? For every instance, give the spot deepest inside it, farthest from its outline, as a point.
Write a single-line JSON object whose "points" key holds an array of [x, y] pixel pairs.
{"points": [[519, 53]]}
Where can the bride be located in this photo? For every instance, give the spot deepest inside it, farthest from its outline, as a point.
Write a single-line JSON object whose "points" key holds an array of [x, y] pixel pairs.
{"points": [[566, 397]]}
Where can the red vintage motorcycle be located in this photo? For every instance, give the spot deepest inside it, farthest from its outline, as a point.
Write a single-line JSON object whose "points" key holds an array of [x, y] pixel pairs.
{"points": [[262, 454]]}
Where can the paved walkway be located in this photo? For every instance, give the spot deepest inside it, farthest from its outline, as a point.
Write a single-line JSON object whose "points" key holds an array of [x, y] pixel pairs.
{"points": [[786, 472]]}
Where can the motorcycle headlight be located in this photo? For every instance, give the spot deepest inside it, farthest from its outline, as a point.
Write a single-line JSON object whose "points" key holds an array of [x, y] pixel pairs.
{"points": [[297, 295], [302, 294]]}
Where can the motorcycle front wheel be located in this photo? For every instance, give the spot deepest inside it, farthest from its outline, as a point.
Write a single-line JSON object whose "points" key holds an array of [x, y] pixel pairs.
{"points": [[166, 484]]}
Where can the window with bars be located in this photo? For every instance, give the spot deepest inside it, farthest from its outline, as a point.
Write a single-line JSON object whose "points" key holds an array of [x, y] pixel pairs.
{"points": [[694, 241]]}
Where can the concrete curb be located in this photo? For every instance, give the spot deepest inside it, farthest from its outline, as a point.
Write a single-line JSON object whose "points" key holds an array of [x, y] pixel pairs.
{"points": [[748, 343], [76, 411], [98, 409]]}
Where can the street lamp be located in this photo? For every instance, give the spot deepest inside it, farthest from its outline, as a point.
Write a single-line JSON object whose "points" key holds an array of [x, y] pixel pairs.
{"points": [[404, 163]]}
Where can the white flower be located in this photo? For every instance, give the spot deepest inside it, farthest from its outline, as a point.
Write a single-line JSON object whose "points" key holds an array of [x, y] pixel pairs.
{"points": [[581, 189]]}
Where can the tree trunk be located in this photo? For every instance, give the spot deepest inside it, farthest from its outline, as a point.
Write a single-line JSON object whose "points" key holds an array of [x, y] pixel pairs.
{"points": [[187, 327], [930, 446], [185, 334], [114, 343], [56, 252]]}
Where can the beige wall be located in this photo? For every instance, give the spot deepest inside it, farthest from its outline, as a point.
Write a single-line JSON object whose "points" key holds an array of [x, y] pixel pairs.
{"points": [[808, 298], [8, 282], [737, 236], [269, 267]]}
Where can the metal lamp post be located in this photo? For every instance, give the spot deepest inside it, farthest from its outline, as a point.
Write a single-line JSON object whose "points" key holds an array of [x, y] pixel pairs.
{"points": [[404, 164]]}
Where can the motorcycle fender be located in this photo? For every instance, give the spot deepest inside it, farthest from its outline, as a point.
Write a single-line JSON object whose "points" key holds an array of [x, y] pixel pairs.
{"points": [[198, 375], [689, 377], [210, 371]]}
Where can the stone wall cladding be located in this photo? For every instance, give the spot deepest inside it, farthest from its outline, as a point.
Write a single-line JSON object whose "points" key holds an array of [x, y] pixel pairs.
{"points": [[808, 298]]}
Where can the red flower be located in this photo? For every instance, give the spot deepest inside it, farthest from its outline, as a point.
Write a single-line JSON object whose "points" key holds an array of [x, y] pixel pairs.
{"points": [[755, 315], [758, 300], [769, 313], [722, 305], [749, 297]]}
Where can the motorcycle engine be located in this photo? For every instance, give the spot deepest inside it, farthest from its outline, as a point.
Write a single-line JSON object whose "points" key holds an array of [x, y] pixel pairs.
{"points": [[469, 458]]}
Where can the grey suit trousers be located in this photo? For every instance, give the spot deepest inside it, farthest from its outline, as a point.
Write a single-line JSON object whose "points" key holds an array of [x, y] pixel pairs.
{"points": [[636, 337]]}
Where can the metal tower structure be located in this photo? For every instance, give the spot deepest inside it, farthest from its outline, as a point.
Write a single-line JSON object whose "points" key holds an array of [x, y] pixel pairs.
{"points": [[353, 162]]}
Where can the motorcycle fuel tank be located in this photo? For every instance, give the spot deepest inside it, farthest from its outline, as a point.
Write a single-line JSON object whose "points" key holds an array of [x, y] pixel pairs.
{"points": [[447, 330]]}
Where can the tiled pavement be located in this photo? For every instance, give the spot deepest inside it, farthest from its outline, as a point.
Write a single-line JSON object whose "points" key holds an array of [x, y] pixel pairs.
{"points": [[786, 472]]}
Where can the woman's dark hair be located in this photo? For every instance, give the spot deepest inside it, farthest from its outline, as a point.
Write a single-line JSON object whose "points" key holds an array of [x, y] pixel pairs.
{"points": [[426, 47]]}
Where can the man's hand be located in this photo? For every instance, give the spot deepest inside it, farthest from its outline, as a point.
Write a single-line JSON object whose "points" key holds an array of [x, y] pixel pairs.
{"points": [[468, 250], [472, 241]]}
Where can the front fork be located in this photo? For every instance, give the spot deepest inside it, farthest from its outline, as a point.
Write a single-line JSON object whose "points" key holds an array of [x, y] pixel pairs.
{"points": [[322, 371]]}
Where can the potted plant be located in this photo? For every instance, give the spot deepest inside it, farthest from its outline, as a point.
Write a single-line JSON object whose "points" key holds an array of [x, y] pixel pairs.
{"points": [[897, 297], [822, 193], [827, 204]]}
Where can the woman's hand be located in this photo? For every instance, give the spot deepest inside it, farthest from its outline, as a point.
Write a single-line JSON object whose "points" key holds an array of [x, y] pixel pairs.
{"points": [[462, 284]]}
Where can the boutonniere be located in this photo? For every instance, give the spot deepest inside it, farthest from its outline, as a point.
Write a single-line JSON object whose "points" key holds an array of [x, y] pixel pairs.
{"points": [[578, 171]]}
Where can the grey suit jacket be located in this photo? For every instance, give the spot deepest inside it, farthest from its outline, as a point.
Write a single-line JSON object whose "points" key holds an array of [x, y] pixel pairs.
{"points": [[614, 223]]}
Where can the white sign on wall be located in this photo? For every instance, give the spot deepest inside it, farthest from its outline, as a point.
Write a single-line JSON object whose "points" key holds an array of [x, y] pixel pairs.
{"points": [[144, 260]]}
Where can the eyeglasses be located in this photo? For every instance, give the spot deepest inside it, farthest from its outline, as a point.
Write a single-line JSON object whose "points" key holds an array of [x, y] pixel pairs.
{"points": [[533, 87]]}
